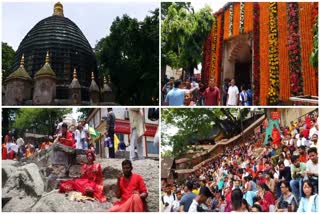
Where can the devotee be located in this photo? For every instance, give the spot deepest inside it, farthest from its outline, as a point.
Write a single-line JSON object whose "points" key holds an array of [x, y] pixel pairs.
{"points": [[168, 199], [187, 198], [137, 131], [287, 201], [131, 189], [90, 182], [312, 168], [110, 124], [309, 201], [297, 171], [204, 194], [211, 95], [188, 99], [66, 137], [233, 94]]}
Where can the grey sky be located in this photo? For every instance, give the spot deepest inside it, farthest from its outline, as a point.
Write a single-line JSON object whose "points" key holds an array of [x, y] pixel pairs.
{"points": [[94, 18]]}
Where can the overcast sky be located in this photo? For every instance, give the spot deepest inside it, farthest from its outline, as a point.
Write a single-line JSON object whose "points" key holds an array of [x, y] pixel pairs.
{"points": [[94, 18]]}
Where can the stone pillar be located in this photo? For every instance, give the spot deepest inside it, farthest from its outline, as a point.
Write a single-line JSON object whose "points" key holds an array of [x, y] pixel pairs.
{"points": [[94, 91], [45, 85], [75, 90], [18, 86]]}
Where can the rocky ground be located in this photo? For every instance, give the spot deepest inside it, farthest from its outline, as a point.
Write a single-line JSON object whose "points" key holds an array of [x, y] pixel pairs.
{"points": [[25, 188]]}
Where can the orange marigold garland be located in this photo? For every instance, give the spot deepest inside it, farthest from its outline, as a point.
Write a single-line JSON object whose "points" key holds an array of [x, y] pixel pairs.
{"points": [[284, 74], [273, 94], [264, 45], [219, 48], [236, 19]]}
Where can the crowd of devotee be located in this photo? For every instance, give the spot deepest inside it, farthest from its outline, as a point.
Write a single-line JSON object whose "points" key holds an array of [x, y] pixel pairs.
{"points": [[192, 92], [76, 137], [130, 189], [254, 176]]}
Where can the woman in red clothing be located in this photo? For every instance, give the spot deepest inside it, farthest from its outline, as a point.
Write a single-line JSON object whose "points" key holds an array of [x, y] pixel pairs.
{"points": [[276, 136], [4, 152], [90, 182], [266, 197]]}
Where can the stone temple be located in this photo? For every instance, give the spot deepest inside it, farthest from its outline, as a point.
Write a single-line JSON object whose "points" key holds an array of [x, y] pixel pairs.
{"points": [[55, 65]]}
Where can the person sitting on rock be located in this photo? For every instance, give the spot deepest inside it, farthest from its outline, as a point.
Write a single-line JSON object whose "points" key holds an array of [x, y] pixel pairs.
{"points": [[66, 137], [91, 181], [131, 189]]}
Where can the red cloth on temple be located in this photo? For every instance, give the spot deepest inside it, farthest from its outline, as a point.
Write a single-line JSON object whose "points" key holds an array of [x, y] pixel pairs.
{"points": [[127, 187], [4, 152], [69, 137], [90, 181], [276, 136], [132, 204]]}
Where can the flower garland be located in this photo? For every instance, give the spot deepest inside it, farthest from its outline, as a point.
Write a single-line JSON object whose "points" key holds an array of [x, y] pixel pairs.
{"points": [[310, 83], [241, 17], [256, 51], [226, 24], [236, 19], [264, 45], [314, 54], [273, 94], [230, 20], [213, 47], [219, 50], [206, 58], [296, 83], [284, 75], [248, 17]]}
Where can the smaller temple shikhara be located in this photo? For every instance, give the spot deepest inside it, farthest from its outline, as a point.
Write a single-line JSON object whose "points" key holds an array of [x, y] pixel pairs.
{"points": [[271, 47]]}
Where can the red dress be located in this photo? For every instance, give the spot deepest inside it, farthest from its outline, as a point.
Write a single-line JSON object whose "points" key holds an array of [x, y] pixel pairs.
{"points": [[91, 180], [276, 136], [4, 152], [130, 202], [70, 141]]}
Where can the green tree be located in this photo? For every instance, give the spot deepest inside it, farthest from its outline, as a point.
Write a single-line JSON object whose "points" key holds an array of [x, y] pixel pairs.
{"points": [[38, 120], [165, 7], [7, 58], [183, 33], [194, 124], [85, 112], [130, 55], [8, 118]]}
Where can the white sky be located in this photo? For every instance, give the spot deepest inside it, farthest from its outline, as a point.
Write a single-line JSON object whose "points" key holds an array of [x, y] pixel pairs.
{"points": [[93, 18]]}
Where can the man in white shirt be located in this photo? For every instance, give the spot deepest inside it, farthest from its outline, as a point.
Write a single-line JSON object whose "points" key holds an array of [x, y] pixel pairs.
{"points": [[168, 199], [205, 193], [313, 130], [233, 94], [312, 166]]}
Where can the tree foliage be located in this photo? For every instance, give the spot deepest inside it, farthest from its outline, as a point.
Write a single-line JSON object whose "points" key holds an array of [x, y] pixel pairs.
{"points": [[84, 112], [7, 57], [183, 33], [39, 120], [193, 124], [130, 55]]}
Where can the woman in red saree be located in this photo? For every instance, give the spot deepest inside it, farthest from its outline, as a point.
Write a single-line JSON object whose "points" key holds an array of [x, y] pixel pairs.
{"points": [[90, 182], [276, 136]]}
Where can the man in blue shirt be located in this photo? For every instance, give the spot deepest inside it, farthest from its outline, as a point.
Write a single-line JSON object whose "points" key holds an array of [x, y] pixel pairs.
{"points": [[175, 97]]}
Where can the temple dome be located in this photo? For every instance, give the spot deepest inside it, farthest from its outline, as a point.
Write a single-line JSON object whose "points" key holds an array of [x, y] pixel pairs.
{"points": [[68, 49]]}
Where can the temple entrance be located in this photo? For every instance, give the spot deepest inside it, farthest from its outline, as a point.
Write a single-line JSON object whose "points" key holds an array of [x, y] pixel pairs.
{"points": [[242, 74], [238, 60]]}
